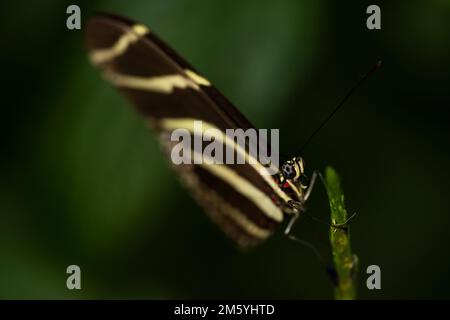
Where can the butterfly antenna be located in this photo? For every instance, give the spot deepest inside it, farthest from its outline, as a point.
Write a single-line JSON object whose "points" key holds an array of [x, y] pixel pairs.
{"points": [[341, 103]]}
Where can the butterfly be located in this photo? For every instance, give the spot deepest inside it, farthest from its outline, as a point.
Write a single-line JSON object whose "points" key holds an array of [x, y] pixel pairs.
{"points": [[170, 94]]}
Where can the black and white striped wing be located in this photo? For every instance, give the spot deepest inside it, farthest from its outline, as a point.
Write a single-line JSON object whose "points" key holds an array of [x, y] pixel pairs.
{"points": [[170, 94]]}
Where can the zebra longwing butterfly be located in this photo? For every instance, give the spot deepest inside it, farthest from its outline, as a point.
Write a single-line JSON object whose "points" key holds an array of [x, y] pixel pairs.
{"points": [[171, 94]]}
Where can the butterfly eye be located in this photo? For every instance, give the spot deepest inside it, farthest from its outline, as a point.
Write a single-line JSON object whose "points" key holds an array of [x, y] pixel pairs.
{"points": [[304, 180], [288, 171]]}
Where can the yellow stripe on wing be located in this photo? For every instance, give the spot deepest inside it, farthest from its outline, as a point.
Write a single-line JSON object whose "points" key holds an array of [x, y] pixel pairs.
{"points": [[101, 56], [198, 79], [245, 188], [188, 124], [162, 84]]}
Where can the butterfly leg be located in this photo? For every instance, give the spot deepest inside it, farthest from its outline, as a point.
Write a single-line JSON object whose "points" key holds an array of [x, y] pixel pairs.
{"points": [[311, 186], [291, 222], [344, 224], [294, 208]]}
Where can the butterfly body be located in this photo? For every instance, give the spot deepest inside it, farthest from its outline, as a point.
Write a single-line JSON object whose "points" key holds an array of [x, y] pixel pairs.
{"points": [[170, 94]]}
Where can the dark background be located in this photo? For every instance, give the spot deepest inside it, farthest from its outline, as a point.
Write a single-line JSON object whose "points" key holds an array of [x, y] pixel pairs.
{"points": [[83, 182]]}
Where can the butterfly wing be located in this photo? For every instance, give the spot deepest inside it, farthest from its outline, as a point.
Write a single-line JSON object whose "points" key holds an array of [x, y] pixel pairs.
{"points": [[171, 94]]}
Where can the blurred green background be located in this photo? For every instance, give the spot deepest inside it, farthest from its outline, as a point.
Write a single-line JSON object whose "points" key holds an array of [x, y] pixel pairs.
{"points": [[83, 182]]}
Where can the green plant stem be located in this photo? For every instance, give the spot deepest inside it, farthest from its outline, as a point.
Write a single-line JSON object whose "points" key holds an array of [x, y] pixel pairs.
{"points": [[345, 262]]}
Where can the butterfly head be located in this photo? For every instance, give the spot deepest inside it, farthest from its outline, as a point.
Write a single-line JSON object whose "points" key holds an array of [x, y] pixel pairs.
{"points": [[294, 171]]}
